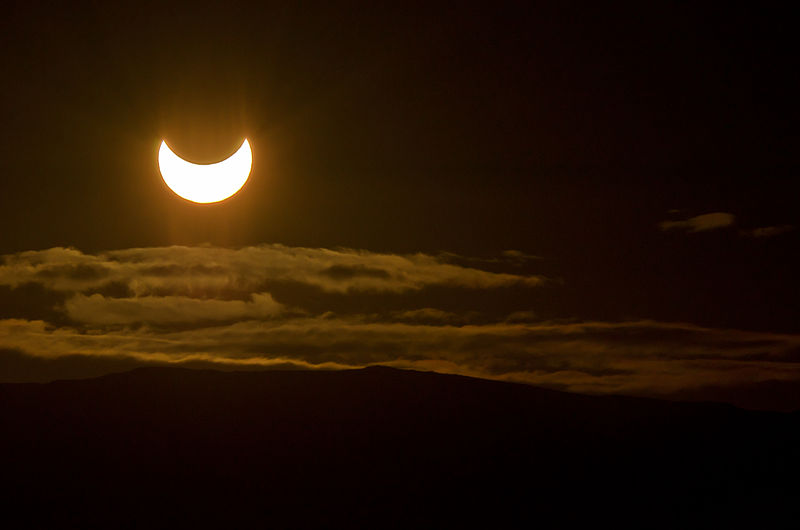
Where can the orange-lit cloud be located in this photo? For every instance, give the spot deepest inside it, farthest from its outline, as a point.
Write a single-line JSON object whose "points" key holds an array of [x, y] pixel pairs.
{"points": [[628, 357], [210, 271], [230, 308], [97, 309]]}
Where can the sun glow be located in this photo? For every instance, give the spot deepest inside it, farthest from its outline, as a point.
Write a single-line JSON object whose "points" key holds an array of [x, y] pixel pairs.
{"points": [[205, 183]]}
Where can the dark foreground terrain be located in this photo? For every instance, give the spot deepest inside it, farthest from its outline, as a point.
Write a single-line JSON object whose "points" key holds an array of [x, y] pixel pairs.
{"points": [[381, 448]]}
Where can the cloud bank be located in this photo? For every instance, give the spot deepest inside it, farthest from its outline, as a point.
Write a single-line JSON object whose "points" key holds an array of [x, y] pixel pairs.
{"points": [[234, 308]]}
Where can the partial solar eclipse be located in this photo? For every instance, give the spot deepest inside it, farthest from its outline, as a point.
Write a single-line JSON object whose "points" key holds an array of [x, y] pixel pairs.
{"points": [[205, 183]]}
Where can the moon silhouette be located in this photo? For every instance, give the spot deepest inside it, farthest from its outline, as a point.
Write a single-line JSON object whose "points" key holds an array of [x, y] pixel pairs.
{"points": [[205, 183]]}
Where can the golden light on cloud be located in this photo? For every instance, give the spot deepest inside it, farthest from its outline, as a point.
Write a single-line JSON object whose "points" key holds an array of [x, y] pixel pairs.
{"points": [[205, 183]]}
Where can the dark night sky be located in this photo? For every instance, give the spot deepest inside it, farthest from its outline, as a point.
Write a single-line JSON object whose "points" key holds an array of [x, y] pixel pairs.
{"points": [[563, 131]]}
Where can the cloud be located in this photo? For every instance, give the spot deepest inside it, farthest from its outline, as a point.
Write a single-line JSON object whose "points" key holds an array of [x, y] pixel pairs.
{"points": [[428, 314], [212, 306], [97, 309], [596, 357], [507, 257], [768, 231], [700, 223], [199, 272], [518, 256]]}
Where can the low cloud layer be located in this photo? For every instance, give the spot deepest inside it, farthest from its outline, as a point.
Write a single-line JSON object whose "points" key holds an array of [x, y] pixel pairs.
{"points": [[597, 357], [700, 223], [222, 307]]}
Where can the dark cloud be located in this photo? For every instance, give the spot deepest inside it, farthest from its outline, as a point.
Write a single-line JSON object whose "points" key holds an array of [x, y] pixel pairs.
{"points": [[700, 223], [100, 310], [115, 289], [768, 231], [180, 270], [513, 257], [80, 271], [518, 256], [343, 272], [430, 315]]}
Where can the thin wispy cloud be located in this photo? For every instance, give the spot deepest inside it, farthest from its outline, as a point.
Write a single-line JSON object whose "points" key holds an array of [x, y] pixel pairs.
{"points": [[768, 231], [700, 223]]}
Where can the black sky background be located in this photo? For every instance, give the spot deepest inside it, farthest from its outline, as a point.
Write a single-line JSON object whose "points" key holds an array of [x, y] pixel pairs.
{"points": [[596, 200], [565, 131]]}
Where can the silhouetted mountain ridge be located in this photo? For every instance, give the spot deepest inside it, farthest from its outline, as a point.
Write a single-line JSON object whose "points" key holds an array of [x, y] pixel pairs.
{"points": [[378, 447]]}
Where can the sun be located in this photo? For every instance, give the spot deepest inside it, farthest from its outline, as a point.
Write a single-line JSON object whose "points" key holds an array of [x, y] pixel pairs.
{"points": [[205, 183]]}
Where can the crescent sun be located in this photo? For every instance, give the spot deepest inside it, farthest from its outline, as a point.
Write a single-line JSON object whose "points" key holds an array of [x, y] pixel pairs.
{"points": [[205, 183]]}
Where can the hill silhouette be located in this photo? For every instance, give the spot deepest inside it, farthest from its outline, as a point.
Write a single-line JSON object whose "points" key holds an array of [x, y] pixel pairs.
{"points": [[378, 448]]}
